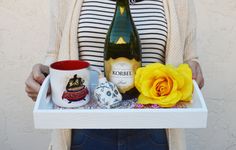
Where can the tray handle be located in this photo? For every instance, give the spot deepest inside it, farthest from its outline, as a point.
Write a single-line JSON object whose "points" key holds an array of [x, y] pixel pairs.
{"points": [[43, 94]]}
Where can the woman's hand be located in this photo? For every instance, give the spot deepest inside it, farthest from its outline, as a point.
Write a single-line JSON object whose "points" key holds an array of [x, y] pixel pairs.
{"points": [[35, 79], [197, 73]]}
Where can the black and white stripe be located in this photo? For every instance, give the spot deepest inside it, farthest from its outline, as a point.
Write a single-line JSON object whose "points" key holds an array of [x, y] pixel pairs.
{"points": [[96, 16]]}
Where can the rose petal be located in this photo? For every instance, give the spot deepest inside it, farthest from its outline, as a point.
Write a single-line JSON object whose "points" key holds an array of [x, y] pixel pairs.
{"points": [[146, 85], [170, 84], [168, 101], [187, 89], [156, 84], [138, 77], [164, 88]]}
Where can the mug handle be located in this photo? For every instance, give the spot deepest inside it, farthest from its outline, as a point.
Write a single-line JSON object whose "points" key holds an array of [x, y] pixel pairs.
{"points": [[43, 92], [100, 74]]}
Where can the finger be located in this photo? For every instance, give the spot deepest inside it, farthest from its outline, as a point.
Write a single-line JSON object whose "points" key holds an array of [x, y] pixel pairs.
{"points": [[32, 96], [38, 74], [201, 84], [28, 89], [44, 69], [194, 70], [32, 85], [199, 78]]}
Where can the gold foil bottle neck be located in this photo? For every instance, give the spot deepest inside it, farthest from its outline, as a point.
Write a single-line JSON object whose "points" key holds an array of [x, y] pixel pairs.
{"points": [[121, 40], [122, 10]]}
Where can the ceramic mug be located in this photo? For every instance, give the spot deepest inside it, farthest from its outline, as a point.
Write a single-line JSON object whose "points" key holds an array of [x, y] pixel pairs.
{"points": [[70, 82]]}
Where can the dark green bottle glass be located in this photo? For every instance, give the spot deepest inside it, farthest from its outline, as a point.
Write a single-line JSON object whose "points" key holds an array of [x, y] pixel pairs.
{"points": [[122, 52]]}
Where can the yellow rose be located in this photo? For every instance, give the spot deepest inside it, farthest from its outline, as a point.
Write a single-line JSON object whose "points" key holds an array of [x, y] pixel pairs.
{"points": [[164, 85]]}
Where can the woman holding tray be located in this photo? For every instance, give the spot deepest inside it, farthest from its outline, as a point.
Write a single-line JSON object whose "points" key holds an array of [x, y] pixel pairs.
{"points": [[167, 31]]}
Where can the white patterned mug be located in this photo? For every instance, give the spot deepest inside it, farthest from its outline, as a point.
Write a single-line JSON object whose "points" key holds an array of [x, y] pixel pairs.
{"points": [[70, 82]]}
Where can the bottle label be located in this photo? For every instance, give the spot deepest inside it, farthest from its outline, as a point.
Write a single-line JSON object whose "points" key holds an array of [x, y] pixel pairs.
{"points": [[121, 72]]}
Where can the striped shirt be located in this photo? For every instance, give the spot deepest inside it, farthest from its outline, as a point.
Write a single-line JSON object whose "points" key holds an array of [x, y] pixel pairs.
{"points": [[95, 19]]}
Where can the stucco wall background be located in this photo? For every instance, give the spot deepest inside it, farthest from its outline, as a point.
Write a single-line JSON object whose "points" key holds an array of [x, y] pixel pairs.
{"points": [[24, 40]]}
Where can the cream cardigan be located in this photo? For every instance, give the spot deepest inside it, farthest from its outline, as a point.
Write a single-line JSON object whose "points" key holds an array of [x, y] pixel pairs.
{"points": [[64, 45]]}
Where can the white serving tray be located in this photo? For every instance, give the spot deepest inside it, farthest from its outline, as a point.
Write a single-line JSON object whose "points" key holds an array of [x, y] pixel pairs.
{"points": [[45, 117]]}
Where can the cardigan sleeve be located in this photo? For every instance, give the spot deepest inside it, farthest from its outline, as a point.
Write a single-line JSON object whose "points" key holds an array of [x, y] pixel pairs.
{"points": [[57, 16], [190, 48]]}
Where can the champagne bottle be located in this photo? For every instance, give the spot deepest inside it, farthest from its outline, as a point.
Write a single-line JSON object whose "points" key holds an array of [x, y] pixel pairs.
{"points": [[122, 52]]}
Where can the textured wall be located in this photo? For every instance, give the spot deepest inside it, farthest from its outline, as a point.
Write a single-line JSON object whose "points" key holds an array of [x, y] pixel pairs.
{"points": [[24, 39], [217, 45]]}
